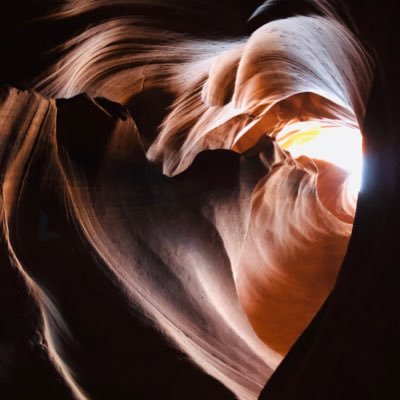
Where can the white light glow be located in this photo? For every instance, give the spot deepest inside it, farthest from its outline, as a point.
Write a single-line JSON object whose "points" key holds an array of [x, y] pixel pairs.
{"points": [[340, 145]]}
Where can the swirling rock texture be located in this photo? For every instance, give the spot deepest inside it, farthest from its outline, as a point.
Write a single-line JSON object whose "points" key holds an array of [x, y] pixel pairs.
{"points": [[164, 232]]}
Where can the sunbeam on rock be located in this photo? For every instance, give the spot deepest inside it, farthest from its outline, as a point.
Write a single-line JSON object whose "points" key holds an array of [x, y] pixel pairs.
{"points": [[212, 182]]}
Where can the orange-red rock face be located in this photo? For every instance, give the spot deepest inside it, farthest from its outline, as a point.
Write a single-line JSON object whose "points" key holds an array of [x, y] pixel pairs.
{"points": [[194, 208]]}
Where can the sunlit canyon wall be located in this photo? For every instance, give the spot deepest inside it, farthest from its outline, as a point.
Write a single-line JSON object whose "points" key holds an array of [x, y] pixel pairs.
{"points": [[221, 210]]}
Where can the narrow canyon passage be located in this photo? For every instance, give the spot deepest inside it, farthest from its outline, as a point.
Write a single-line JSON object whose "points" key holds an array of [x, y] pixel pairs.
{"points": [[177, 197]]}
